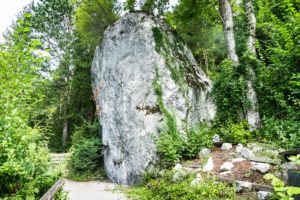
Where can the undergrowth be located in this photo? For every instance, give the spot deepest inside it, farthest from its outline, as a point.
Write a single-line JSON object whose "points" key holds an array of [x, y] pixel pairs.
{"points": [[164, 188]]}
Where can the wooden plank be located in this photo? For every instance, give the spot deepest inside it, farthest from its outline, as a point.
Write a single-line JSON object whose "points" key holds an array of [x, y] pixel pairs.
{"points": [[51, 192]]}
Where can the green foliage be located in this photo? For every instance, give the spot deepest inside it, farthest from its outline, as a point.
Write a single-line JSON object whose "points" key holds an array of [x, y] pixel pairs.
{"points": [[85, 156], [169, 144], [92, 18], [284, 133], [197, 138], [198, 24], [23, 154], [278, 35], [229, 92], [295, 159], [165, 188], [281, 191], [236, 132]]}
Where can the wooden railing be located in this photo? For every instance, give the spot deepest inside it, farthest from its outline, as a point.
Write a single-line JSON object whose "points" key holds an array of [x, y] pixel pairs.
{"points": [[51, 192]]}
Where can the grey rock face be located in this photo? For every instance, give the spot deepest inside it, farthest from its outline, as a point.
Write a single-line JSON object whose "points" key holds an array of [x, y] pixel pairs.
{"points": [[126, 65]]}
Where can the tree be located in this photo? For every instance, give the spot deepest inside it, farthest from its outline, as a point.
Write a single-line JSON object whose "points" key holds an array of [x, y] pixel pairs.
{"points": [[252, 113], [23, 155]]}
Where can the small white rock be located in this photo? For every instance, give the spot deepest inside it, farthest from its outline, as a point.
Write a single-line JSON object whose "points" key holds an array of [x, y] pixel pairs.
{"points": [[195, 182], [238, 148], [247, 153], [226, 146], [243, 185], [204, 152], [177, 167], [225, 173], [198, 175], [227, 166], [216, 138], [209, 166], [261, 167], [179, 175], [263, 195], [238, 160]]}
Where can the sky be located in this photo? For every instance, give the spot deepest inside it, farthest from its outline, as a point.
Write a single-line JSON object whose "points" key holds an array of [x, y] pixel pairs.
{"points": [[8, 11]]}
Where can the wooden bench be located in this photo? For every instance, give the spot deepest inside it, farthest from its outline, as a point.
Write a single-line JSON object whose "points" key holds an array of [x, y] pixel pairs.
{"points": [[55, 188]]}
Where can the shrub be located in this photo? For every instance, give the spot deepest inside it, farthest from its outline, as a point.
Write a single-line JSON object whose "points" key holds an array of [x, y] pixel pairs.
{"points": [[85, 156], [165, 188], [236, 132], [284, 133], [196, 139]]}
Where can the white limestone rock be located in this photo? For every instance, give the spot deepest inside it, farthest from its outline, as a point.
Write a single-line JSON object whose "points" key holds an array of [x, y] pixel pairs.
{"points": [[226, 166], [243, 186], [179, 175], [226, 146], [209, 166], [196, 181], [204, 152], [216, 138], [235, 160], [226, 173], [125, 66], [261, 167], [247, 153], [177, 167], [263, 195], [238, 148]]}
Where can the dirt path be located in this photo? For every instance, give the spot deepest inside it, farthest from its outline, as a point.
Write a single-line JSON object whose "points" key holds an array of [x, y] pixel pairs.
{"points": [[93, 190]]}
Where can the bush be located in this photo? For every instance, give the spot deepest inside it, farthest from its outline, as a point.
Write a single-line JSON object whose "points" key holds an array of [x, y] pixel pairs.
{"points": [[197, 138], [284, 133], [85, 156], [165, 188], [236, 132]]}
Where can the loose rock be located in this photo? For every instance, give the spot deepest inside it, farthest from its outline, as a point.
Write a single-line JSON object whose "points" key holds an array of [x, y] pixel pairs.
{"points": [[196, 181], [177, 167], [261, 167], [263, 195], [209, 165], [216, 138], [238, 160], [226, 146], [204, 152], [238, 148], [243, 186], [227, 166], [225, 173], [247, 153]]}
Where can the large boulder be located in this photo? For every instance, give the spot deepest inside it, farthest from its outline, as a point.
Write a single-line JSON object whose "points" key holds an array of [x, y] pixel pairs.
{"points": [[140, 71]]}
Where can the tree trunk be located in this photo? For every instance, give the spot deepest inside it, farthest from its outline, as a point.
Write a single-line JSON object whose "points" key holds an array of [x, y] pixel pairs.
{"points": [[228, 26], [65, 122], [252, 113]]}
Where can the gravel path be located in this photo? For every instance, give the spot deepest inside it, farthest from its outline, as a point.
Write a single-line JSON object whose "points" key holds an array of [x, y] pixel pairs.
{"points": [[93, 190]]}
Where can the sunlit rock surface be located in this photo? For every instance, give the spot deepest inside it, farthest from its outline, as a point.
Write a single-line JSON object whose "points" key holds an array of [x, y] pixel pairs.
{"points": [[126, 65]]}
